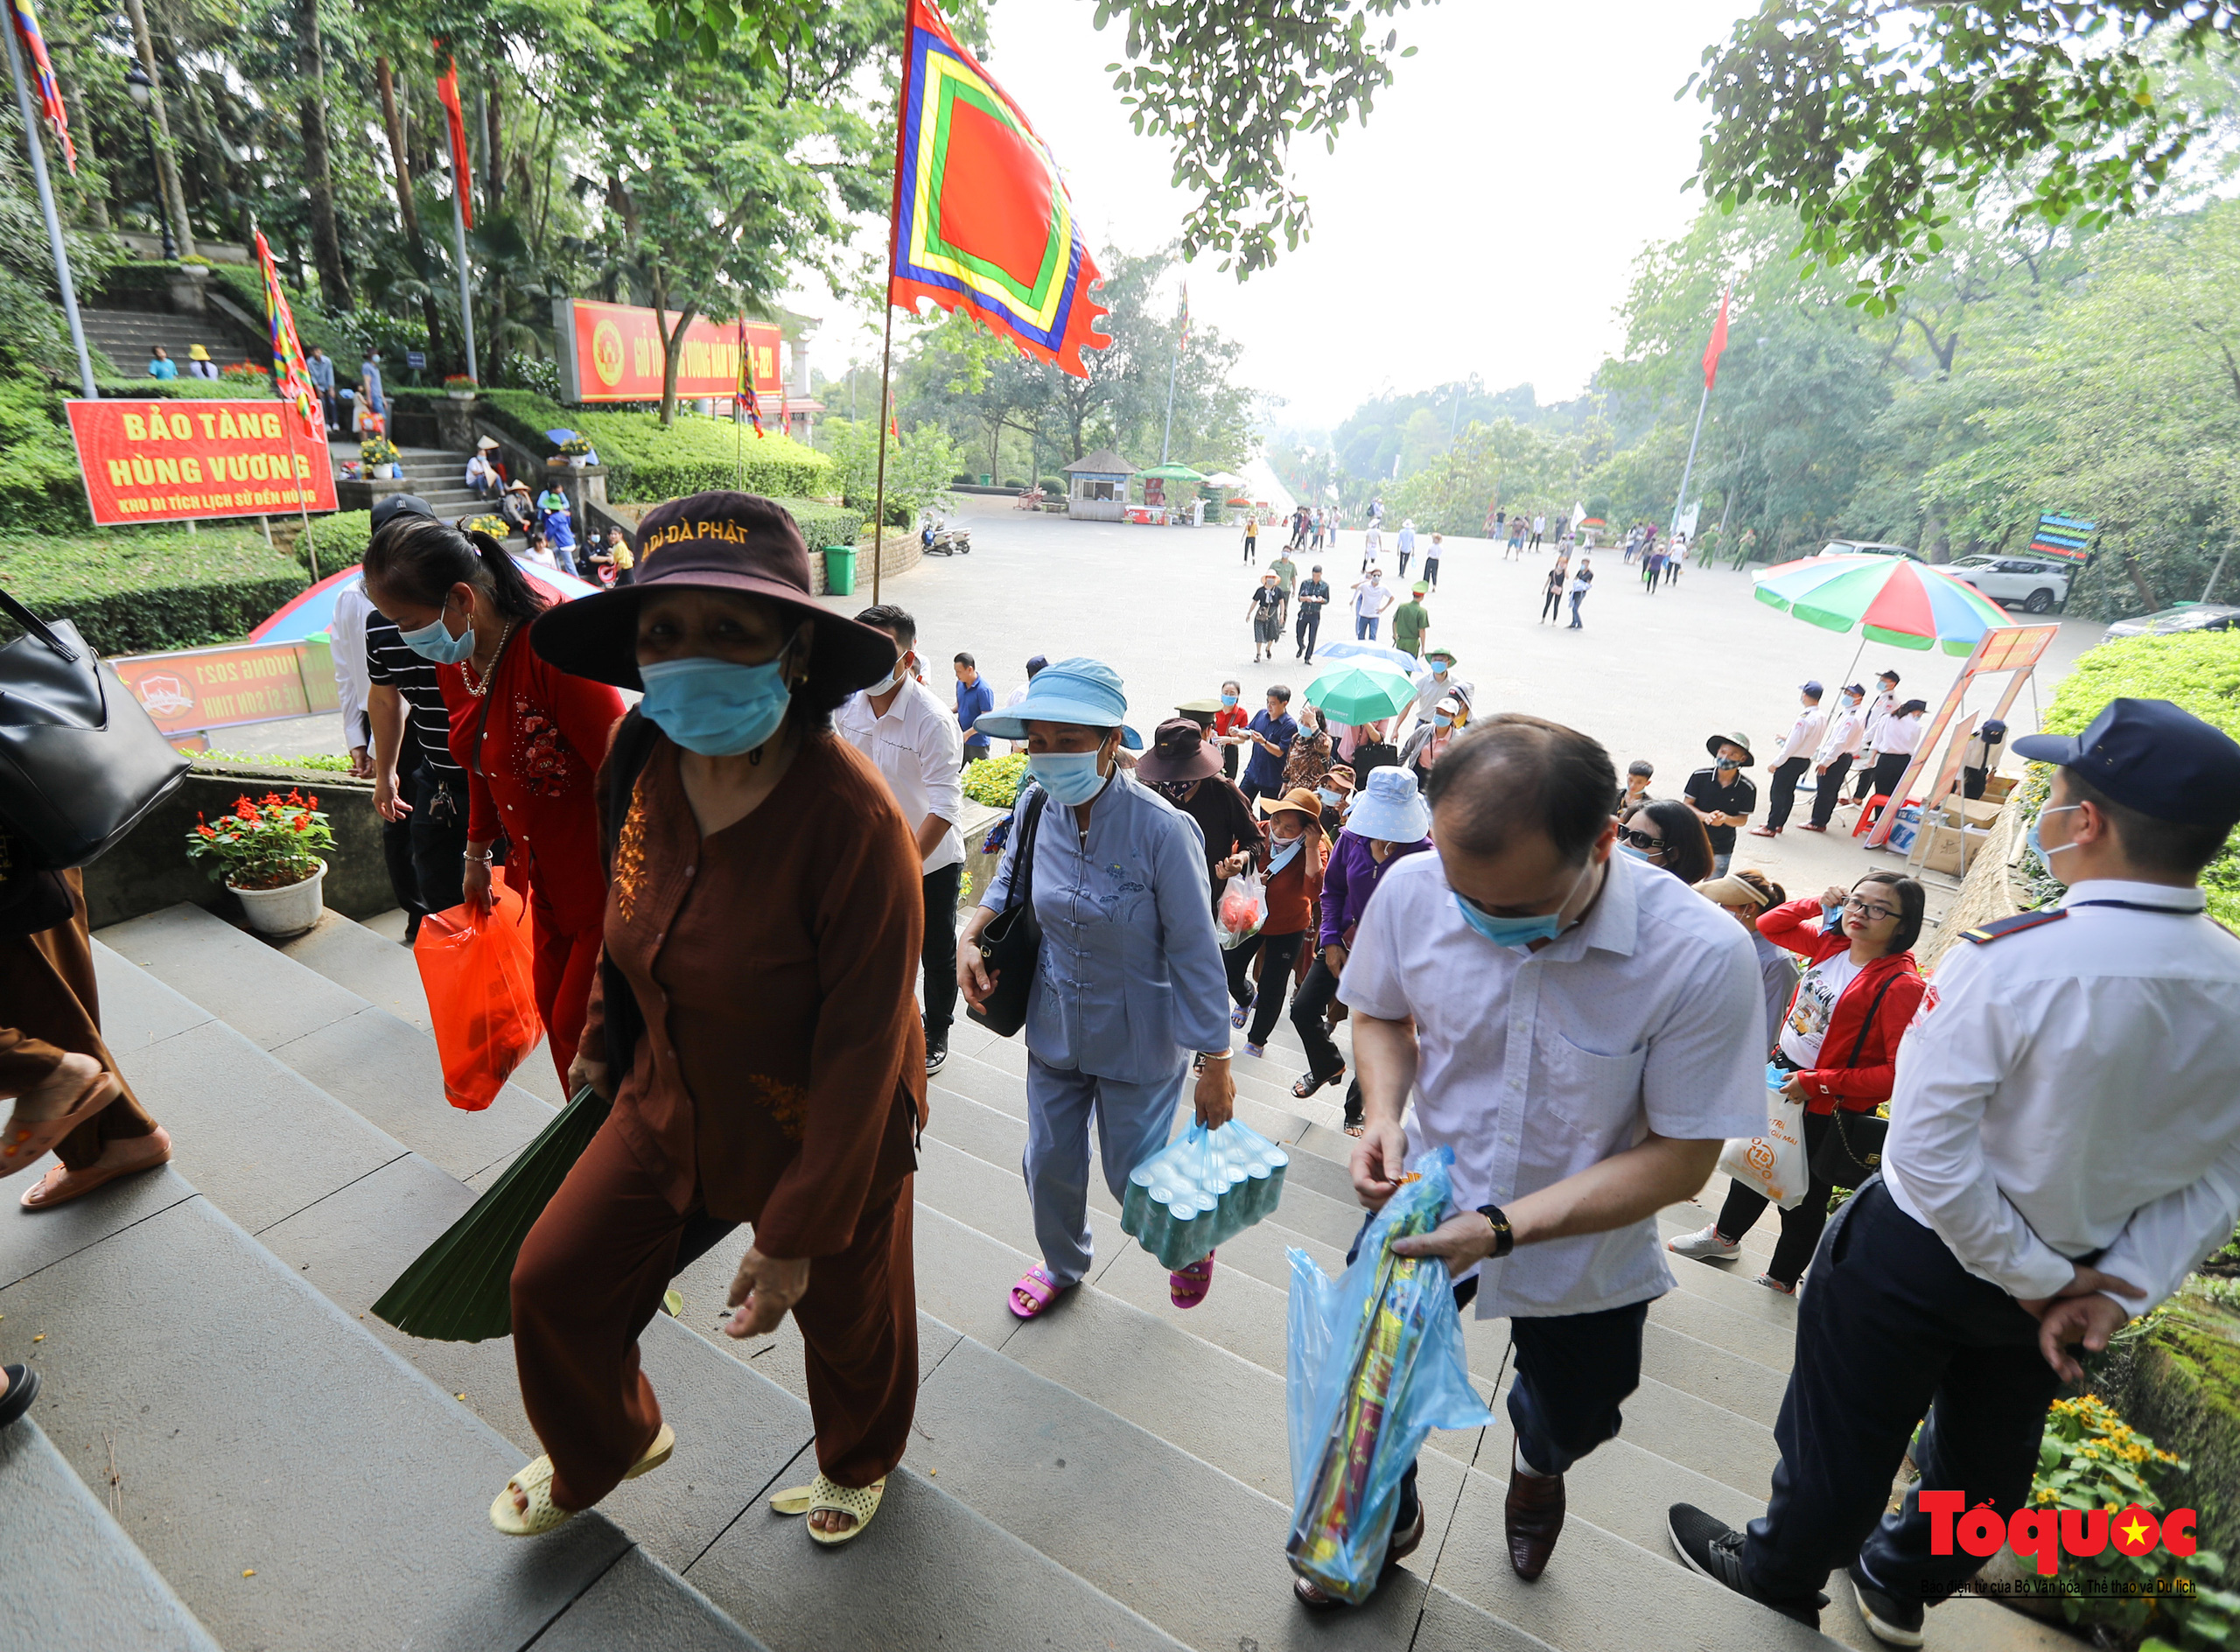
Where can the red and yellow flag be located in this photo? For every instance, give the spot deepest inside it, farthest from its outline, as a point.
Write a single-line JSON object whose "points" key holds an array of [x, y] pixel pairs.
{"points": [[49, 91], [1718, 341], [983, 223], [455, 117], [291, 373]]}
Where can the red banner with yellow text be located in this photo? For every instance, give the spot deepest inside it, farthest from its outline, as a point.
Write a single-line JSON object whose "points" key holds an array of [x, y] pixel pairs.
{"points": [[168, 461], [202, 688], [613, 353]]}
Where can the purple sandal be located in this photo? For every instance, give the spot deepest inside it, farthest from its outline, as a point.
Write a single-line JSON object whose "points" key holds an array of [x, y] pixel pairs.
{"points": [[1186, 1287], [1036, 1289]]}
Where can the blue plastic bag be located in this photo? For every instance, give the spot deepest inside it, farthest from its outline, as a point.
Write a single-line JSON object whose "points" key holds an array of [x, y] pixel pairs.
{"points": [[1375, 1364], [1201, 1192]]}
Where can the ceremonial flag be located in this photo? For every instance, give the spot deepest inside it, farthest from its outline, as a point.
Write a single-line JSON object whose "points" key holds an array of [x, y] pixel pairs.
{"points": [[982, 221], [746, 393], [891, 428], [290, 374], [462, 171], [785, 411], [43, 80], [1184, 347], [1718, 341]]}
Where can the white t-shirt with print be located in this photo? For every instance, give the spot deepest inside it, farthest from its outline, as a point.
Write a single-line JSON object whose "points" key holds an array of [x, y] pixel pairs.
{"points": [[1815, 1002]]}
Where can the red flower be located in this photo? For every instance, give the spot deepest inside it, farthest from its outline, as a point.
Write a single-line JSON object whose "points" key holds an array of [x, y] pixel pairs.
{"points": [[206, 830], [295, 797], [272, 797], [245, 811], [314, 803]]}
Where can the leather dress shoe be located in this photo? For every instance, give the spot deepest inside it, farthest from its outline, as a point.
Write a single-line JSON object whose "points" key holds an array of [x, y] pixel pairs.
{"points": [[1533, 1517]]}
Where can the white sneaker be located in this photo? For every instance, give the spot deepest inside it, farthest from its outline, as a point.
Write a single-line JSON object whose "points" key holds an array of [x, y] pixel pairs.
{"points": [[1706, 1246]]}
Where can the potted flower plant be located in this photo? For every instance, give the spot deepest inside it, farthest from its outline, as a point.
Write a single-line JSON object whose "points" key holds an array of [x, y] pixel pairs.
{"points": [[267, 853], [460, 387], [381, 456], [497, 526], [578, 452]]}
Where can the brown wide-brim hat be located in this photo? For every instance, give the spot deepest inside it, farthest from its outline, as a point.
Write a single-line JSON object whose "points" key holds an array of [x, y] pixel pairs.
{"points": [[1178, 752], [710, 541], [1298, 801]]}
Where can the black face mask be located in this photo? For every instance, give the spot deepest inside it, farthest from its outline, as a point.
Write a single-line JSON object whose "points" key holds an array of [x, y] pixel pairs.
{"points": [[1726, 764]]}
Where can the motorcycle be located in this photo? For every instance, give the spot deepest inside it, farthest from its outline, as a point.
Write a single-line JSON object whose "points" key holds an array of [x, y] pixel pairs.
{"points": [[938, 539]]}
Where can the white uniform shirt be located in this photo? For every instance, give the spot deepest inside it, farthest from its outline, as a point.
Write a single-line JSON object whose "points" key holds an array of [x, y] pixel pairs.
{"points": [[2076, 1087], [1371, 600], [918, 748], [1647, 1016], [1803, 734], [1900, 735], [1846, 729], [1878, 709], [346, 635]]}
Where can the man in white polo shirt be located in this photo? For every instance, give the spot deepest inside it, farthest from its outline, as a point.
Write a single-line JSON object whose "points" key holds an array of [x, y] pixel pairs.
{"points": [[1584, 1032], [903, 727]]}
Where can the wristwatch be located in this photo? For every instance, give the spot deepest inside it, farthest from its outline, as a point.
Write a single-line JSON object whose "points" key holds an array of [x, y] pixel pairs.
{"points": [[1504, 1238]]}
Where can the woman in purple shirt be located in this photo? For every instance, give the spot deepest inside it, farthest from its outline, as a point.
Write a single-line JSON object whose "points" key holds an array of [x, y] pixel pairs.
{"points": [[1389, 821]]}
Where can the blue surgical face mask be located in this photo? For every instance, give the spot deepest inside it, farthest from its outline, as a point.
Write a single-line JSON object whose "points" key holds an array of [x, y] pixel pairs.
{"points": [[1519, 932], [1437, 669], [1438, 721], [717, 708], [1638, 854], [2036, 847], [1228, 699], [1069, 777], [434, 640], [1330, 799], [1285, 854]]}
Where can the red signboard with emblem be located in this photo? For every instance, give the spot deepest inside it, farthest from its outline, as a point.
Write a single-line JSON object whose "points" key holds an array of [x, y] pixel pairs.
{"points": [[173, 461], [613, 353], [219, 688]]}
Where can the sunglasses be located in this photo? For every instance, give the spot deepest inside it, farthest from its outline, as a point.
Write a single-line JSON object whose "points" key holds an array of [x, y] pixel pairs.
{"points": [[1868, 910], [1640, 840]]}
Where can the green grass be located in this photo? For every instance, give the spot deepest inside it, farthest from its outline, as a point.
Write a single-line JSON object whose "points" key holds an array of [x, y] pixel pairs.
{"points": [[143, 592]]}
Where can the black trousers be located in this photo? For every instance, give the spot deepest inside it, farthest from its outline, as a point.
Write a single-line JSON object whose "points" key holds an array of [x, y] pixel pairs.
{"points": [[1404, 563], [1308, 628], [1229, 762], [1832, 789], [939, 954], [1865, 790], [1801, 1226], [1274, 978], [1783, 785], [1309, 1005], [1893, 1323], [1552, 606], [438, 826], [1573, 1372], [1890, 768], [1431, 571]]}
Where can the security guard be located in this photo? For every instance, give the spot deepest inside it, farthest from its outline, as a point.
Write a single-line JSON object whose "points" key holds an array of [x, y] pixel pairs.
{"points": [[2064, 1148]]}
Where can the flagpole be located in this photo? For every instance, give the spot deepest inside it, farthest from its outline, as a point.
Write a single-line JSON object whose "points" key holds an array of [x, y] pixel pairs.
{"points": [[466, 302], [878, 507], [1173, 362], [54, 222], [1689, 469]]}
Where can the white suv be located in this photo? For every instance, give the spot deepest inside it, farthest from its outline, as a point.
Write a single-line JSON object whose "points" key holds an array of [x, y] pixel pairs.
{"points": [[2032, 583], [1867, 547]]}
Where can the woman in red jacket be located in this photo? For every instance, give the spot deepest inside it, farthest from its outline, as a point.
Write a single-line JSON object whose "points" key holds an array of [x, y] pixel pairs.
{"points": [[530, 738], [1838, 1043]]}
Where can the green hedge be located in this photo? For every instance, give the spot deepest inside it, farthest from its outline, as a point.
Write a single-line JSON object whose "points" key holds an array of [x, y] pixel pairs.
{"points": [[2200, 673], [823, 524], [647, 462], [186, 389], [136, 591], [340, 540]]}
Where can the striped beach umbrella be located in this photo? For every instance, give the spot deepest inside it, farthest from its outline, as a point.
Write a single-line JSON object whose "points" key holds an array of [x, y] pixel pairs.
{"points": [[1891, 599]]}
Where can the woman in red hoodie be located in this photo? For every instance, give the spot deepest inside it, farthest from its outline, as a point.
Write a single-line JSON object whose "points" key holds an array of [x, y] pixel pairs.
{"points": [[1838, 1043]]}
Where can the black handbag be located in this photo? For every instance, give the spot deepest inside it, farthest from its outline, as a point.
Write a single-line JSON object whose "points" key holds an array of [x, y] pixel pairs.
{"points": [[81, 762], [1011, 944], [1852, 1150]]}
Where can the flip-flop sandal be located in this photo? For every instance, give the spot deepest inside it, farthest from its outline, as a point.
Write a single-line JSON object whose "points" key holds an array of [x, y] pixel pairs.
{"points": [[1308, 1083], [42, 1194], [23, 1388], [1037, 1288], [23, 1145], [1401, 1548], [829, 1496], [543, 1514], [1357, 1129], [1242, 1013], [1186, 1287]]}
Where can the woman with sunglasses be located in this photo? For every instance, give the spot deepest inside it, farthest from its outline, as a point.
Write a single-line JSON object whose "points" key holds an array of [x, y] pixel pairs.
{"points": [[1839, 1044], [1670, 836]]}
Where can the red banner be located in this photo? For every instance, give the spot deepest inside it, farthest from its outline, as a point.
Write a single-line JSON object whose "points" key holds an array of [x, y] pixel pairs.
{"points": [[613, 353], [219, 688], [168, 461]]}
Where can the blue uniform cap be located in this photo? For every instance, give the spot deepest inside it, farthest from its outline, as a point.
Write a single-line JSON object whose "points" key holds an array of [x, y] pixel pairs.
{"points": [[2152, 756]]}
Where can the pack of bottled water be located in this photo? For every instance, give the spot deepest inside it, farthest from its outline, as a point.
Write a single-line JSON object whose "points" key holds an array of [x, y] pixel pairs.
{"points": [[1202, 1191]]}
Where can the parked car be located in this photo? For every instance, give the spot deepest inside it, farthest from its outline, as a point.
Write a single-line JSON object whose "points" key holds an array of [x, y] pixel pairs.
{"points": [[2186, 616], [1867, 547], [2032, 582]]}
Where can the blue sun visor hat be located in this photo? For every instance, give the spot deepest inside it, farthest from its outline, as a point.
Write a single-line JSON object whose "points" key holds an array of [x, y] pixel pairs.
{"points": [[1088, 692]]}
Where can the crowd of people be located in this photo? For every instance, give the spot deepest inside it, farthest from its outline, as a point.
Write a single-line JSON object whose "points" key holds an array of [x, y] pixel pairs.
{"points": [[745, 895]]}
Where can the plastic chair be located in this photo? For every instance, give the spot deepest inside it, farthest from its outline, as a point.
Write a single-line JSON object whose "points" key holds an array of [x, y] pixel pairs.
{"points": [[1868, 815]]}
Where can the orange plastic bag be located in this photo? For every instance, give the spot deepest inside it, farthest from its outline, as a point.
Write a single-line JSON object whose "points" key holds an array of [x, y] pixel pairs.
{"points": [[476, 971]]}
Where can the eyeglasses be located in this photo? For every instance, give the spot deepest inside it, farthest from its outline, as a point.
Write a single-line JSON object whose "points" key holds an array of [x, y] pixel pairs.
{"points": [[1641, 840], [1868, 910]]}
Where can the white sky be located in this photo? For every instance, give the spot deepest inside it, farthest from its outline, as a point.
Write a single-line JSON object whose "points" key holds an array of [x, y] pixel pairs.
{"points": [[1484, 220]]}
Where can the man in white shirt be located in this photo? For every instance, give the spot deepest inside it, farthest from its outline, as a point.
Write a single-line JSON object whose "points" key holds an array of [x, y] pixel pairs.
{"points": [[1837, 750], [1438, 682], [1883, 703], [346, 635], [1584, 1033], [913, 738], [2064, 1148], [1407, 545], [1370, 600], [1795, 756]]}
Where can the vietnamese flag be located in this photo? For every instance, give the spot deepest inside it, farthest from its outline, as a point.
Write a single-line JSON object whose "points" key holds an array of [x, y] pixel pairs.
{"points": [[455, 117], [1719, 342]]}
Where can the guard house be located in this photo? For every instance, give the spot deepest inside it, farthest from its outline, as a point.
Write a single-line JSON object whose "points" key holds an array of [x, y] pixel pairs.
{"points": [[1097, 486]]}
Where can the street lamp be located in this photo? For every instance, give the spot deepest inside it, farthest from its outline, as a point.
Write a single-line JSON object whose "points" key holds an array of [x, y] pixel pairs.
{"points": [[143, 92]]}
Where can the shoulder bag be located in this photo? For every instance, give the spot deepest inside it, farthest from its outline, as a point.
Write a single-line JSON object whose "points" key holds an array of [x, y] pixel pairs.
{"points": [[1852, 1151], [1011, 944], [81, 762]]}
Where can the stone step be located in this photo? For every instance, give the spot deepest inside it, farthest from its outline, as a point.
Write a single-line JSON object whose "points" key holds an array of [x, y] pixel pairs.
{"points": [[296, 1482], [360, 1208], [69, 1574]]}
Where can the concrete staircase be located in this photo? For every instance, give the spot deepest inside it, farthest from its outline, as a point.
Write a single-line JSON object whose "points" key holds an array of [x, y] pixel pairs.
{"points": [[438, 475], [1113, 1475], [126, 337]]}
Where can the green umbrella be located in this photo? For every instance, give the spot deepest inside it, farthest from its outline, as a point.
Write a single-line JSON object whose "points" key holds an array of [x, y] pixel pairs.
{"points": [[1358, 694], [1173, 474], [460, 1288]]}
